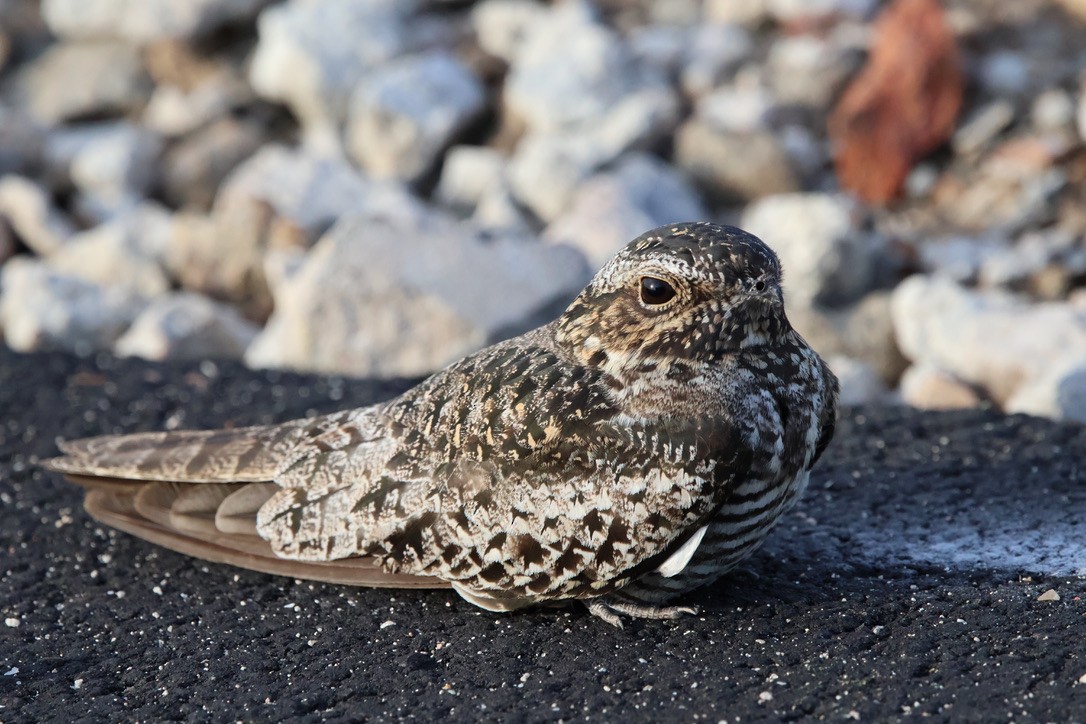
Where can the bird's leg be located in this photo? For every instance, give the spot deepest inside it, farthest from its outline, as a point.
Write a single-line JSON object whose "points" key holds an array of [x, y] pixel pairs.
{"points": [[609, 611]]}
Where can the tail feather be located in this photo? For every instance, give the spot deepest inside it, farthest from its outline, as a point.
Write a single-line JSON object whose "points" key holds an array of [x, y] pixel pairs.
{"points": [[173, 516], [246, 454]]}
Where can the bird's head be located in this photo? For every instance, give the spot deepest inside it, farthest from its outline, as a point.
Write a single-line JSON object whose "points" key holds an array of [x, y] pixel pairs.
{"points": [[692, 292]]}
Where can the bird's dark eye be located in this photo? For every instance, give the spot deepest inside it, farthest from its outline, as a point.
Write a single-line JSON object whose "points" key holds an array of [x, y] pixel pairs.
{"points": [[656, 291], [759, 286]]}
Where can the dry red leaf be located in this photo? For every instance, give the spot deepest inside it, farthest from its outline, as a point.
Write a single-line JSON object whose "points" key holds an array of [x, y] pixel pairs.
{"points": [[902, 105]]}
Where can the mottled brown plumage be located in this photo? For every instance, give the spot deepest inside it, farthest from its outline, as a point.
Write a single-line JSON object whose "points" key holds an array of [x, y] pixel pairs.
{"points": [[637, 447]]}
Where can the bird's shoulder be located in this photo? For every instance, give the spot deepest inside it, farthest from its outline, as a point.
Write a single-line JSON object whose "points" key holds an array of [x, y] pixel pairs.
{"points": [[508, 402]]}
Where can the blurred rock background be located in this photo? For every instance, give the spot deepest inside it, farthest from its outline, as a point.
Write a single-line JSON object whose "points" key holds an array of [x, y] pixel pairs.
{"points": [[377, 187]]}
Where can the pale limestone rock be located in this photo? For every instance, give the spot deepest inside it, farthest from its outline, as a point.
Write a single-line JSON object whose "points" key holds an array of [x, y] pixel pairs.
{"points": [[405, 114], [28, 210], [186, 326], [43, 309], [989, 338], [380, 297]]}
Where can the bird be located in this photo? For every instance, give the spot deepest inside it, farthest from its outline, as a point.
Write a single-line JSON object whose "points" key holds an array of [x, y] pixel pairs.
{"points": [[634, 449]]}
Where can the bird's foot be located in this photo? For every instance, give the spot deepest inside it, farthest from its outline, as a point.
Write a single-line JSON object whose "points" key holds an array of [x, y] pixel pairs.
{"points": [[611, 611]]}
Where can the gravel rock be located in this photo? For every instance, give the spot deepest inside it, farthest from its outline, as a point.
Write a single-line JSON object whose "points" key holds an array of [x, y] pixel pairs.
{"points": [[930, 388], [713, 52], [73, 80], [809, 71], [278, 199], [310, 55], [41, 308], [1004, 72], [863, 331], [641, 192], [146, 20], [389, 298], [1058, 393], [546, 170], [467, 174], [29, 211], [737, 108], [127, 252], [498, 209], [734, 166], [827, 259], [860, 383], [21, 141], [194, 168], [987, 338], [1053, 111], [501, 25], [798, 11], [174, 111], [570, 71], [405, 114], [750, 13], [116, 171], [982, 127], [186, 326]]}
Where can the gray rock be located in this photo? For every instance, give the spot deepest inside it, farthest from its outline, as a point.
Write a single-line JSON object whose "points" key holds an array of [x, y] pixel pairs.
{"points": [[186, 326], [930, 388], [809, 71], [827, 258], [498, 210], [42, 309], [1004, 73], [639, 193], [128, 252], [661, 47], [376, 297], [546, 170], [797, 11], [310, 55], [982, 127], [570, 71], [278, 199], [860, 383], [862, 331], [737, 108], [71, 80], [116, 171], [1058, 393], [29, 211], [174, 111], [733, 166], [961, 257], [1053, 111], [193, 169], [987, 338], [21, 141], [404, 115], [501, 25], [750, 13], [146, 20], [713, 52], [1044, 262], [468, 173]]}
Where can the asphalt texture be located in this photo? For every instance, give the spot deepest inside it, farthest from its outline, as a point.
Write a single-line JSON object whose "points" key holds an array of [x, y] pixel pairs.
{"points": [[905, 584]]}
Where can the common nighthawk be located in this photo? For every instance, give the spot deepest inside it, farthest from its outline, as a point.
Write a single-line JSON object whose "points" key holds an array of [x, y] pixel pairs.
{"points": [[637, 447]]}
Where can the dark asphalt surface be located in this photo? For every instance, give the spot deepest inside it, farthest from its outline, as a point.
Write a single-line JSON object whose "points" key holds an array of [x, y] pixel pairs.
{"points": [[905, 584]]}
